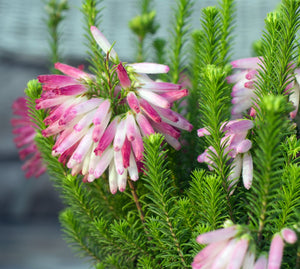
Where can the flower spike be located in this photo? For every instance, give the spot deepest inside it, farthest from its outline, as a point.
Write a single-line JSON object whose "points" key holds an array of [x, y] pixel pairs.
{"points": [[93, 135]]}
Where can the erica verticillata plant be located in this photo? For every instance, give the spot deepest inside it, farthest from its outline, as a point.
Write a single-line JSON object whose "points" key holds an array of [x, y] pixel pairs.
{"points": [[118, 123]]}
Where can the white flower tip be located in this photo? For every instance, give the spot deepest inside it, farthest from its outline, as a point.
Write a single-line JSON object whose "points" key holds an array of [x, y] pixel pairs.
{"points": [[90, 178], [134, 178], [113, 190], [248, 185]]}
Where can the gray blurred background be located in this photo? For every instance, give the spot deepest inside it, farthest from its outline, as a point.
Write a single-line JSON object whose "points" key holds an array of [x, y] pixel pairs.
{"points": [[30, 236]]}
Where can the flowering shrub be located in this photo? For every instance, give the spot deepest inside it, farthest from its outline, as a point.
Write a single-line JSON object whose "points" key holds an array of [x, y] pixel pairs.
{"points": [[129, 127]]}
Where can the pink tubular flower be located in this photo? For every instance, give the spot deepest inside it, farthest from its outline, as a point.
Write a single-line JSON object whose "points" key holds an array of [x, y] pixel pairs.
{"points": [[227, 248], [97, 131], [243, 91], [233, 247], [151, 99], [83, 127], [276, 252], [24, 132], [237, 147], [261, 263], [277, 246]]}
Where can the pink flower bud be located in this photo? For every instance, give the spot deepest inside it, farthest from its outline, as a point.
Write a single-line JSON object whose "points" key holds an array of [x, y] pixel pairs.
{"points": [[123, 76], [126, 150], [113, 178], [276, 252], [120, 135], [289, 235], [133, 102], [150, 111], [247, 170], [101, 112], [145, 126], [107, 137]]}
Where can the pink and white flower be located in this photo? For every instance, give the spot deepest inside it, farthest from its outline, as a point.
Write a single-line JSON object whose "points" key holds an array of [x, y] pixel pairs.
{"points": [[234, 247], [243, 91], [24, 132], [227, 248], [277, 245], [237, 146], [92, 134], [84, 128], [151, 102]]}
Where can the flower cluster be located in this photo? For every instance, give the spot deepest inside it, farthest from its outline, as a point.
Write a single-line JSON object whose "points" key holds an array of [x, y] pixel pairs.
{"points": [[92, 133], [243, 91], [24, 132], [237, 147], [233, 247]]}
